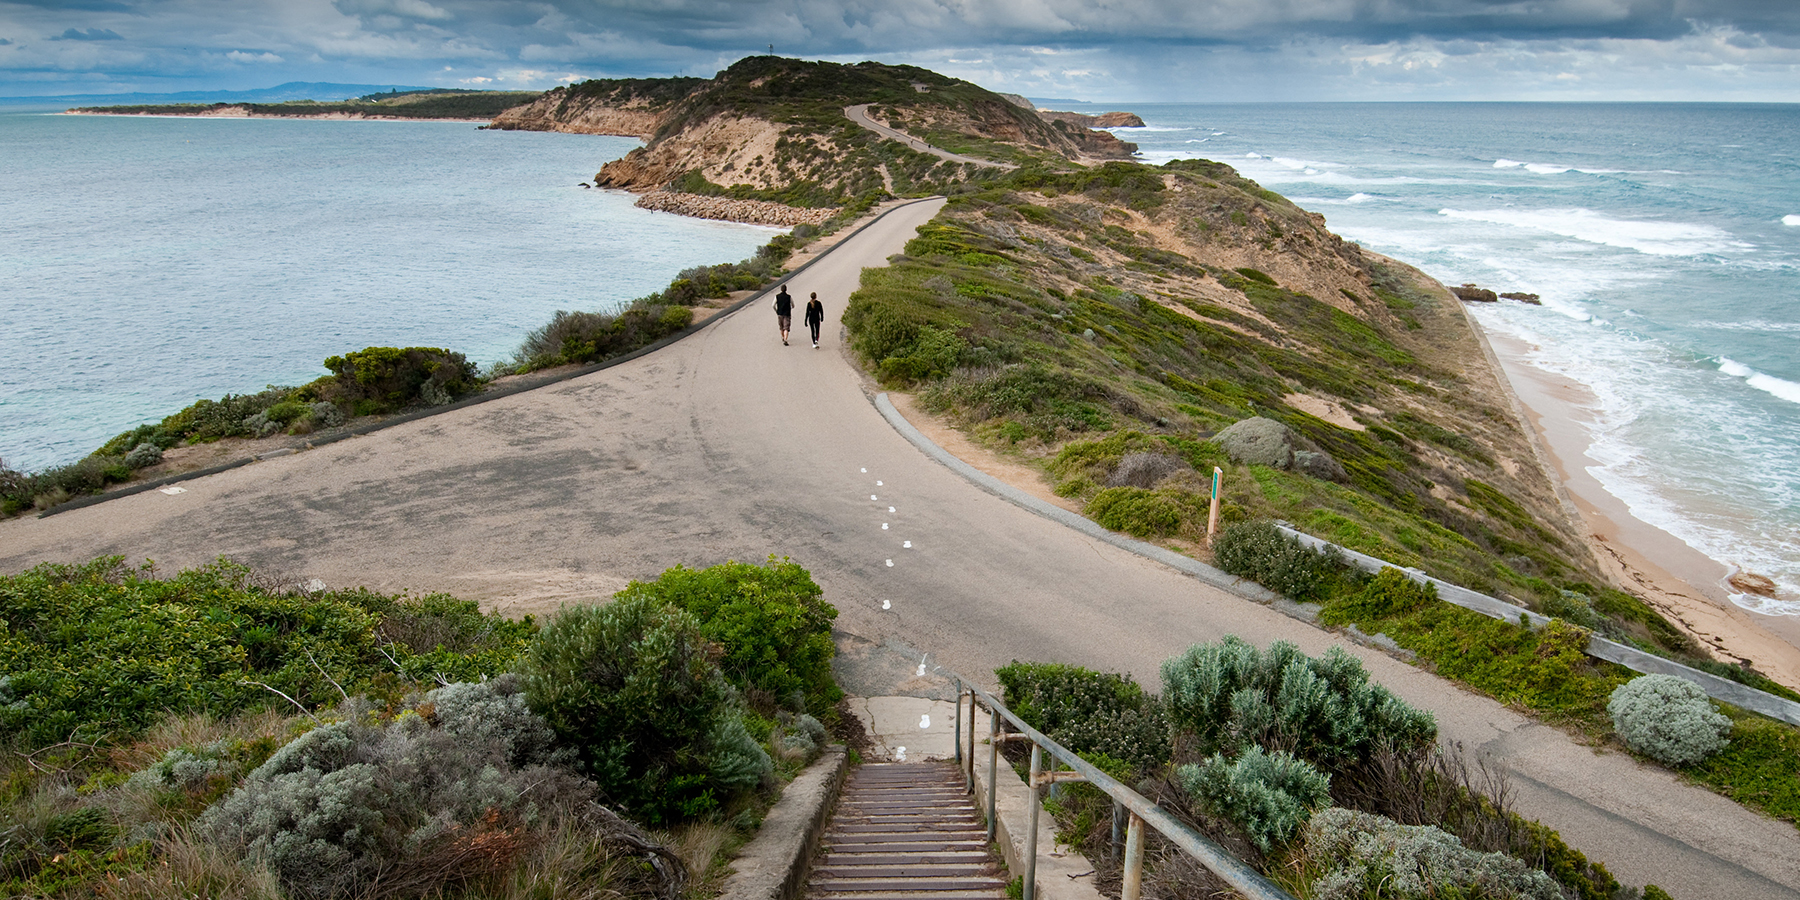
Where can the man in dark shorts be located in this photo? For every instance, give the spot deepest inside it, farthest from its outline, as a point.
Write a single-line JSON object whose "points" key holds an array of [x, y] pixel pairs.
{"points": [[784, 313]]}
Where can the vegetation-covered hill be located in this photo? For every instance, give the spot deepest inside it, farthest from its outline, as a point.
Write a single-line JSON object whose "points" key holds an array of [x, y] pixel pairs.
{"points": [[771, 128]]}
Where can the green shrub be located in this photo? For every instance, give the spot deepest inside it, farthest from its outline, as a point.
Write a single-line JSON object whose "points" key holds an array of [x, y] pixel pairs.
{"points": [[1389, 593], [99, 651], [583, 337], [392, 378], [1089, 712], [1230, 695], [1667, 718], [633, 688], [1142, 513], [1365, 857], [771, 620], [1262, 553], [1268, 795]]}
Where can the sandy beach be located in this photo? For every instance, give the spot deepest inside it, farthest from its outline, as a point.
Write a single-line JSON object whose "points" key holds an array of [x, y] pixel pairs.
{"points": [[1683, 584]]}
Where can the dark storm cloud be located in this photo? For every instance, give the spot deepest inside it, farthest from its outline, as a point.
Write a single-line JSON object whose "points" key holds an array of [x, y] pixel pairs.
{"points": [[1052, 47]]}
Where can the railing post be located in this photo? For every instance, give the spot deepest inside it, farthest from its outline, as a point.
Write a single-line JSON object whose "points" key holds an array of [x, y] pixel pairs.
{"points": [[1134, 860], [993, 763], [1037, 802], [958, 717], [1117, 825], [971, 757]]}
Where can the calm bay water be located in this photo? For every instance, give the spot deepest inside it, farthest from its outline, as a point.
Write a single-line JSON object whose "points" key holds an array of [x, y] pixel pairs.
{"points": [[1664, 240], [149, 262]]}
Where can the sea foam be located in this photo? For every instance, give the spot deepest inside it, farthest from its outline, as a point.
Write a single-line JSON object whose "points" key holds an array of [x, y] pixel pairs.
{"points": [[1643, 235], [1769, 384], [1791, 220]]}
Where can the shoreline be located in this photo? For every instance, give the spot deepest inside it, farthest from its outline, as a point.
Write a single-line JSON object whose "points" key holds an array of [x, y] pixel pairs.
{"points": [[1683, 584]]}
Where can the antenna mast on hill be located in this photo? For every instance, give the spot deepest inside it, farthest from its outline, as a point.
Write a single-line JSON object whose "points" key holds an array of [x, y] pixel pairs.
{"points": [[771, 49]]}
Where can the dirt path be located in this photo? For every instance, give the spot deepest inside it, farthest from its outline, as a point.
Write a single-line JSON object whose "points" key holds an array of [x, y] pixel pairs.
{"points": [[860, 115], [728, 445]]}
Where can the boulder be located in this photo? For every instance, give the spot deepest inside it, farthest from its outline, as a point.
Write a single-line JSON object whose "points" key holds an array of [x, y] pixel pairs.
{"points": [[1145, 470], [1258, 442], [1522, 298], [1266, 442], [1470, 293], [1319, 465]]}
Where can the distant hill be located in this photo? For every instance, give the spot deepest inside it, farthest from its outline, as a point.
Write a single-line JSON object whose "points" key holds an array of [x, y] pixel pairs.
{"points": [[293, 90]]}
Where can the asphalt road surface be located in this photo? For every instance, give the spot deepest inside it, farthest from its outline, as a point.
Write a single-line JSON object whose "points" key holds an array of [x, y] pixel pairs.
{"points": [[729, 445]]}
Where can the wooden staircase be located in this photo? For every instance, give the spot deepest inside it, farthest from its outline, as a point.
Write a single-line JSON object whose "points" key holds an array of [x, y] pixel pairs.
{"points": [[904, 831]]}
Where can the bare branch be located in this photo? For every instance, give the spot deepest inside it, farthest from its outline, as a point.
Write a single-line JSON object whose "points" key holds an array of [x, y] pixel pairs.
{"points": [[297, 705], [345, 694]]}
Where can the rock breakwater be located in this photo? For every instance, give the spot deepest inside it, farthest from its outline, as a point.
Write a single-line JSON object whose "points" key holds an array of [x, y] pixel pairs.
{"points": [[755, 212]]}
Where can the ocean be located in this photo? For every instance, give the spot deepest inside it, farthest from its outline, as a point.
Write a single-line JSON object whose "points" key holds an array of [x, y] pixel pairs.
{"points": [[1663, 239], [149, 262], [146, 263]]}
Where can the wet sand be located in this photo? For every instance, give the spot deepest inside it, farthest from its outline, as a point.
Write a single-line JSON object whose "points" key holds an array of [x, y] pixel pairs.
{"points": [[1685, 585]]}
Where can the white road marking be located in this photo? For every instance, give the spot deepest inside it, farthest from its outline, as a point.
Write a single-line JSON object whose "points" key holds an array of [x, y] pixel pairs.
{"points": [[924, 721], [906, 544], [173, 489]]}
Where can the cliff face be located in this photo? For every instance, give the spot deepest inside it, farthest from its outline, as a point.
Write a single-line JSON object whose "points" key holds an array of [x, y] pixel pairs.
{"points": [[579, 115], [630, 107]]}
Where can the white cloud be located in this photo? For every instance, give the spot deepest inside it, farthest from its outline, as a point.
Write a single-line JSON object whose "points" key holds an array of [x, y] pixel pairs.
{"points": [[264, 57]]}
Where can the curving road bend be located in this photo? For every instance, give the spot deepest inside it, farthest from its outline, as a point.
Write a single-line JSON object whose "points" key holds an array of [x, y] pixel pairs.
{"points": [[860, 115], [728, 445]]}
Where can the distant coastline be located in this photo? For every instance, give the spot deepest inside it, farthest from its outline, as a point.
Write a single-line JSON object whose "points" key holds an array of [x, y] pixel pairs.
{"points": [[237, 111], [453, 105]]}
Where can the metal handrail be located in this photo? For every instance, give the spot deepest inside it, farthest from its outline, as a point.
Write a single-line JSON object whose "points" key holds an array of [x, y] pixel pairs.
{"points": [[1233, 871]]}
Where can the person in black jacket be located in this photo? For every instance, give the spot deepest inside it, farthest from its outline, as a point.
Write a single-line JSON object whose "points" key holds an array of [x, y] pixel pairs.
{"points": [[784, 313], [815, 316]]}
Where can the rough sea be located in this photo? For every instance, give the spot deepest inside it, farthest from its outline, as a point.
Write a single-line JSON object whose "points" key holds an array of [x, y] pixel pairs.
{"points": [[1664, 240], [146, 263]]}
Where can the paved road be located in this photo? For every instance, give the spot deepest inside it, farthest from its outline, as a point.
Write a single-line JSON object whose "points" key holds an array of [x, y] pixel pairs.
{"points": [[729, 445], [860, 115]]}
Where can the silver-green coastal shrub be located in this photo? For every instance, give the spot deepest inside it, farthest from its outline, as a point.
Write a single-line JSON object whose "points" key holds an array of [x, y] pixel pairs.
{"points": [[144, 454], [184, 768], [1667, 718], [346, 805], [1363, 857], [1268, 795], [1230, 694]]}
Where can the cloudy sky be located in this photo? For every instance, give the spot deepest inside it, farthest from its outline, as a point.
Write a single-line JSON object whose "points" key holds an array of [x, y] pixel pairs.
{"points": [[1102, 50]]}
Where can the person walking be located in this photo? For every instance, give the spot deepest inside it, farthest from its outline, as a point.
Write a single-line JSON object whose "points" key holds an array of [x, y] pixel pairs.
{"points": [[784, 313], [815, 316]]}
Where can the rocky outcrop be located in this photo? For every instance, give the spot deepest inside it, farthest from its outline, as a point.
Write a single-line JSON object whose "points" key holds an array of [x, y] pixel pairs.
{"points": [[1522, 298], [755, 212], [1103, 120], [1469, 293], [1265, 442]]}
